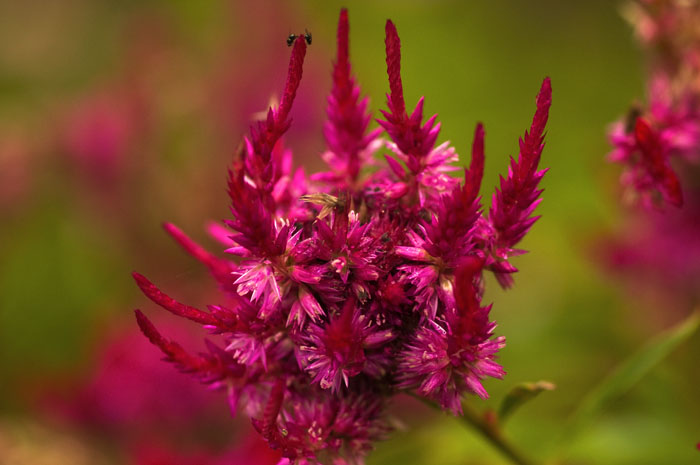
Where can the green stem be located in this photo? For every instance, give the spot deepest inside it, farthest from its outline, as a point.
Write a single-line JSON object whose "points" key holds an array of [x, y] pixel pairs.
{"points": [[489, 430]]}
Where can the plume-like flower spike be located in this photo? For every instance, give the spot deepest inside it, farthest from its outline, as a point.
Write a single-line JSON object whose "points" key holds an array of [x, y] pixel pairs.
{"points": [[267, 425], [518, 195], [473, 176], [296, 68], [252, 219], [414, 141], [266, 133], [397, 106], [172, 305], [252, 205], [212, 368], [348, 120], [221, 269]]}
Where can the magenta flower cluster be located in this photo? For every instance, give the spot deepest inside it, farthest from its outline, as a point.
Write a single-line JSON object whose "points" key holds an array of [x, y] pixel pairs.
{"points": [[361, 282], [658, 249], [666, 130]]}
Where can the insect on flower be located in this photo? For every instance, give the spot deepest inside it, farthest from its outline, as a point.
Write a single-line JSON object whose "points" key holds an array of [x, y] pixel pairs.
{"points": [[292, 37]]}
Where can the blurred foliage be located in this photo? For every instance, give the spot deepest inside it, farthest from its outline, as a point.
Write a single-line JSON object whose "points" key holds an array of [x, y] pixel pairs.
{"points": [[66, 254]]}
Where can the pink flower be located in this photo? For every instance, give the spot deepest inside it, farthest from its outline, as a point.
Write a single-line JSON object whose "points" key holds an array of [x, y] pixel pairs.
{"points": [[658, 144], [101, 132], [352, 288], [129, 395], [666, 131], [350, 144], [454, 353], [342, 349]]}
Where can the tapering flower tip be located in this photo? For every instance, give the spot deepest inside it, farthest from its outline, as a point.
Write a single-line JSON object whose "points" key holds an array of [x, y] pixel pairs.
{"points": [[533, 141], [148, 329], [345, 131], [393, 69], [173, 351], [544, 101], [518, 196], [267, 425], [475, 173], [171, 305], [296, 65], [656, 163], [219, 268], [342, 62]]}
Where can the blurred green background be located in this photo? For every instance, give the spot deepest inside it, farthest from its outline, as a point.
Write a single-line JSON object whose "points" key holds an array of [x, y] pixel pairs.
{"points": [[68, 239]]}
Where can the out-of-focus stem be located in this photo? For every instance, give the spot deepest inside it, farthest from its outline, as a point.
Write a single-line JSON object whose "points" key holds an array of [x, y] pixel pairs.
{"points": [[489, 430]]}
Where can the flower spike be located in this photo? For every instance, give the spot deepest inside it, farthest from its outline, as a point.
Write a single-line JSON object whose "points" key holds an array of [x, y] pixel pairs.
{"points": [[170, 304], [219, 268], [518, 195], [260, 165], [393, 69], [473, 175], [350, 146], [212, 368], [296, 64], [413, 141]]}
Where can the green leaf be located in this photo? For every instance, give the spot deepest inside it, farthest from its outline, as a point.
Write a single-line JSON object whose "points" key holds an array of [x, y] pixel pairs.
{"points": [[520, 394], [629, 373]]}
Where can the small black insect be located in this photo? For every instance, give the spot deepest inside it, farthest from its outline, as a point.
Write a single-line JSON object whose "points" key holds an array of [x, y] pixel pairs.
{"points": [[292, 37]]}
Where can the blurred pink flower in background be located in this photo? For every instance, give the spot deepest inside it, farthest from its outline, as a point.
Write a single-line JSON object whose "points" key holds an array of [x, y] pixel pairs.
{"points": [[666, 131], [658, 249], [250, 449], [101, 134], [128, 393], [147, 412]]}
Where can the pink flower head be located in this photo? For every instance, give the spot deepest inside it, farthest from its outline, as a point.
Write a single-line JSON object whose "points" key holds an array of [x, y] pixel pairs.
{"points": [[366, 284], [313, 425], [337, 352], [129, 396], [101, 132], [666, 131], [454, 354]]}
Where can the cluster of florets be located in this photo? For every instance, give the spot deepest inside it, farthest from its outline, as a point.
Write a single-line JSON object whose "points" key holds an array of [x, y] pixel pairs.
{"points": [[356, 285], [651, 137]]}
